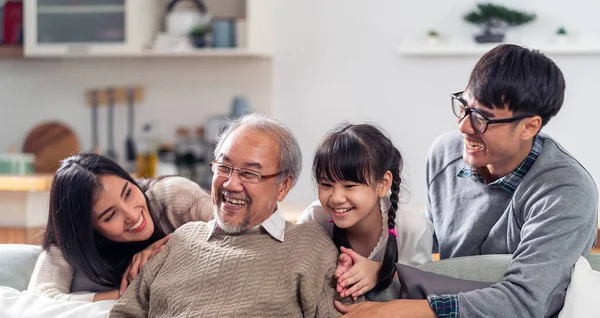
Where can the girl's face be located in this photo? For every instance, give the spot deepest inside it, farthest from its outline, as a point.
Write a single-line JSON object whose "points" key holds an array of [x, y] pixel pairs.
{"points": [[348, 203], [120, 212]]}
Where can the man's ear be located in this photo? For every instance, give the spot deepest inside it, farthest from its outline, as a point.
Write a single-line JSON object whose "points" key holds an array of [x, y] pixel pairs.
{"points": [[384, 185], [532, 127], [284, 188]]}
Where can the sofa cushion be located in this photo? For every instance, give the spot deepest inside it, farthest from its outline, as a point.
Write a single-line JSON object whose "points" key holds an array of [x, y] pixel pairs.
{"points": [[483, 268], [417, 284], [16, 264], [582, 294]]}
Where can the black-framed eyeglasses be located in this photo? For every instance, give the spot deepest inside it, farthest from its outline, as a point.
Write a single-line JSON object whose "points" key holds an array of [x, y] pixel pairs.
{"points": [[246, 175], [479, 121]]}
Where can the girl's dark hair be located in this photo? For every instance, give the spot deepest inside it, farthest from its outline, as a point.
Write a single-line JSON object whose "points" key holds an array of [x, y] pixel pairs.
{"points": [[363, 154], [72, 196]]}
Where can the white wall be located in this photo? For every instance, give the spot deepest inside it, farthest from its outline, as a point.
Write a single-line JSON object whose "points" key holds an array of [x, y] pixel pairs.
{"points": [[178, 92], [336, 61]]}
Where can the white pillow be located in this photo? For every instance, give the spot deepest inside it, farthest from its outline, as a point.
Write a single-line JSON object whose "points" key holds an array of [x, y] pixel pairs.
{"points": [[14, 303], [581, 300]]}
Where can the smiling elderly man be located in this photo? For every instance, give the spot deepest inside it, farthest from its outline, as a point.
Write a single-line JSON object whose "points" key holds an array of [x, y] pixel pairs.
{"points": [[248, 261]]}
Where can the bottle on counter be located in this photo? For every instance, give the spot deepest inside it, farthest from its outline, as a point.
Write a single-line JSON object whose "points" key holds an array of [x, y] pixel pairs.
{"points": [[147, 153]]}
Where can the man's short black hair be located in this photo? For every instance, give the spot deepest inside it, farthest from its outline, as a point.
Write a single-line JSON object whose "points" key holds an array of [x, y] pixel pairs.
{"points": [[524, 81]]}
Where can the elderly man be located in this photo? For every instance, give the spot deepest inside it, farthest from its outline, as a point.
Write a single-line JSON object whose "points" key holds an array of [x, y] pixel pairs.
{"points": [[248, 261]]}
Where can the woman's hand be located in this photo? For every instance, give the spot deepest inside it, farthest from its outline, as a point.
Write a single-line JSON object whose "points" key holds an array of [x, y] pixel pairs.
{"points": [[360, 278], [107, 295], [139, 260]]}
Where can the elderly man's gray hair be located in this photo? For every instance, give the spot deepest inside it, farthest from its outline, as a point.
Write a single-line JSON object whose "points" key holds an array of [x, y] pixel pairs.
{"points": [[290, 156]]}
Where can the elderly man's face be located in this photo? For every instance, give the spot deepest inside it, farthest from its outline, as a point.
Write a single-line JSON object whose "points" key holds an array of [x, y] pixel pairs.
{"points": [[239, 205]]}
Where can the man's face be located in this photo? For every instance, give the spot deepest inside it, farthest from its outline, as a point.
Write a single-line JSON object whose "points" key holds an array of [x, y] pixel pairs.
{"points": [[498, 149], [239, 205]]}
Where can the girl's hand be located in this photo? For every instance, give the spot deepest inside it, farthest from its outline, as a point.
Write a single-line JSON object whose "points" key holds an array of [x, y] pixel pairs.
{"points": [[360, 278], [344, 264], [107, 295], [139, 260]]}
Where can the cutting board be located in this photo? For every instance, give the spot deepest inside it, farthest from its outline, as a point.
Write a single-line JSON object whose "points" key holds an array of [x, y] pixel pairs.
{"points": [[50, 142]]}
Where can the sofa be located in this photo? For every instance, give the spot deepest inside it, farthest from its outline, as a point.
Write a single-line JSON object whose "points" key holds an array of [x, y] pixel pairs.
{"points": [[18, 260]]}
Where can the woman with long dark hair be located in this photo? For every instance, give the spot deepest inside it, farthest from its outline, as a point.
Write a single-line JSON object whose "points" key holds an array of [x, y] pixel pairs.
{"points": [[103, 226]]}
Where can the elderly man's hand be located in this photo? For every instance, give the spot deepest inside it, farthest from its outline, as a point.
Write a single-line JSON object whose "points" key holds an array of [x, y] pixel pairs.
{"points": [[395, 308]]}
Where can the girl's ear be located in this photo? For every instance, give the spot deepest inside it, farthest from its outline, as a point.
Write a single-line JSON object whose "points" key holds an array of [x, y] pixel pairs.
{"points": [[384, 185]]}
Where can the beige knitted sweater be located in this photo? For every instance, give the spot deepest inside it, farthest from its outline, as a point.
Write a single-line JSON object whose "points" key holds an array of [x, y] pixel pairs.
{"points": [[244, 275]]}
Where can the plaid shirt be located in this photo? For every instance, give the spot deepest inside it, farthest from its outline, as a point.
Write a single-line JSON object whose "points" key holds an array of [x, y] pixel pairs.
{"points": [[446, 306], [511, 181]]}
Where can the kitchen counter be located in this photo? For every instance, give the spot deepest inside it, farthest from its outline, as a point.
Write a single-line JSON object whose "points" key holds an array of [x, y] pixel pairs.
{"points": [[25, 183]]}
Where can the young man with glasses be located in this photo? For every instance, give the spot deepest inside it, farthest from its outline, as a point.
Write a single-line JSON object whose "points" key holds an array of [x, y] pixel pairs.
{"points": [[248, 261], [499, 186]]}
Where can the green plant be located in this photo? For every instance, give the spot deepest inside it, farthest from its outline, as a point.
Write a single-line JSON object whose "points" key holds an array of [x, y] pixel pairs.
{"points": [[433, 33], [495, 18], [199, 31], [561, 31]]}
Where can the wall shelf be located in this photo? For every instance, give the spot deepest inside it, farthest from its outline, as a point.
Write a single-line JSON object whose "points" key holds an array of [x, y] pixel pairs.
{"points": [[475, 49], [195, 53], [11, 51], [208, 52]]}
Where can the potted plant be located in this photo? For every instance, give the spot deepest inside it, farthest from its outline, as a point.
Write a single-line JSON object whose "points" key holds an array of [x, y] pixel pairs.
{"points": [[433, 37], [198, 36], [494, 20], [562, 36]]}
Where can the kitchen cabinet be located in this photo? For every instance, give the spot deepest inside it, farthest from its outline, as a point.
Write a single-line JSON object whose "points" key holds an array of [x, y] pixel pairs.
{"points": [[68, 27], [127, 28]]}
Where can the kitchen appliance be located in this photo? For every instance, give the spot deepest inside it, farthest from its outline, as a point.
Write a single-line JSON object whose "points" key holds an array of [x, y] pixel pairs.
{"points": [[180, 21], [63, 28]]}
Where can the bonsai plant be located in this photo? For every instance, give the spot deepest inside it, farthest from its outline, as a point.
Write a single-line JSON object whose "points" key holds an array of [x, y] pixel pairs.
{"points": [[433, 37], [562, 36], [198, 36], [432, 33], [495, 19]]}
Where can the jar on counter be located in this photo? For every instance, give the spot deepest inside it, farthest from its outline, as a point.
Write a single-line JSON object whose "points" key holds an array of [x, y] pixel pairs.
{"points": [[16, 163]]}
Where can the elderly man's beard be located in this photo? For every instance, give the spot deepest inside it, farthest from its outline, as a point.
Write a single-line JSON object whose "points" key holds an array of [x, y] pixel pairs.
{"points": [[229, 228]]}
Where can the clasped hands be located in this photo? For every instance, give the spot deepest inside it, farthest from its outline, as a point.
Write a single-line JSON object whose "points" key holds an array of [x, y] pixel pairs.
{"points": [[356, 275]]}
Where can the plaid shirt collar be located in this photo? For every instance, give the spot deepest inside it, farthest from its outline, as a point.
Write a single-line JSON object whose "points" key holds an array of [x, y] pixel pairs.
{"points": [[511, 181]]}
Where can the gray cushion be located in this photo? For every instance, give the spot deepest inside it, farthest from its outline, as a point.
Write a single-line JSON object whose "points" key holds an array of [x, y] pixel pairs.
{"points": [[16, 264], [417, 284], [484, 268], [594, 260]]}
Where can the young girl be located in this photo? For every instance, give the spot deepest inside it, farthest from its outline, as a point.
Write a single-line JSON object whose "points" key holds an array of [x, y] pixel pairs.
{"points": [[103, 227], [357, 169]]}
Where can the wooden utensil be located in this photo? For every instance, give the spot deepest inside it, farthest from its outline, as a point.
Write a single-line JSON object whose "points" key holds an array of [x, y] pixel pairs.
{"points": [[110, 149], [50, 142]]}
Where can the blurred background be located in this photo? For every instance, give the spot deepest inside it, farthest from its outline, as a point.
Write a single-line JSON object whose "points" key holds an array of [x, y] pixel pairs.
{"points": [[152, 82]]}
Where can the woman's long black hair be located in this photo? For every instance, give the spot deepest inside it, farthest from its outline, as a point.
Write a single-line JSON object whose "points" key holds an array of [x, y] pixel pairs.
{"points": [[74, 190], [362, 154]]}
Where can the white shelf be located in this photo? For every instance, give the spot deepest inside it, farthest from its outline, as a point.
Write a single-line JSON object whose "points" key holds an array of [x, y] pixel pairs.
{"points": [[195, 53], [208, 52], [475, 49]]}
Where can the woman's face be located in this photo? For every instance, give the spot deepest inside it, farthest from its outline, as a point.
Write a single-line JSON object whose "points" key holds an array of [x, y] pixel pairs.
{"points": [[120, 212]]}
